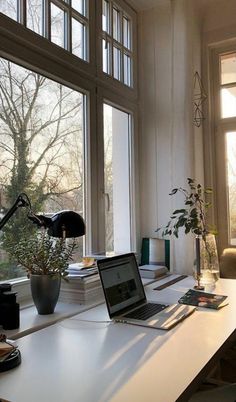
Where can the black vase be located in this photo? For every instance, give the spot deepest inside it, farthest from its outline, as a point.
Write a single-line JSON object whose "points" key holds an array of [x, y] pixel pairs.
{"points": [[45, 291]]}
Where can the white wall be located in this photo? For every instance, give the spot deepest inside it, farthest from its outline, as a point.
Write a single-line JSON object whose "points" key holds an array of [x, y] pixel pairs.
{"points": [[170, 147]]}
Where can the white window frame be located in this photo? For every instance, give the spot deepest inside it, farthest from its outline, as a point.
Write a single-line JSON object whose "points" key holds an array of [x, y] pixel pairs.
{"points": [[31, 50], [215, 151], [105, 96]]}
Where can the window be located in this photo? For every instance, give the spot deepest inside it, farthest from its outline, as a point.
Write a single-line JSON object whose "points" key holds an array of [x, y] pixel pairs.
{"points": [[117, 43], [67, 127], [230, 139], [41, 150], [228, 85], [10, 8], [224, 70], [65, 23], [117, 178]]}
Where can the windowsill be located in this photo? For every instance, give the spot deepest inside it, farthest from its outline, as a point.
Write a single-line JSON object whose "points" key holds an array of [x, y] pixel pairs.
{"points": [[31, 321]]}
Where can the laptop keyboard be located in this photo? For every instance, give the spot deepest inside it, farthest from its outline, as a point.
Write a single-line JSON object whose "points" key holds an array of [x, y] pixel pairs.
{"points": [[146, 311]]}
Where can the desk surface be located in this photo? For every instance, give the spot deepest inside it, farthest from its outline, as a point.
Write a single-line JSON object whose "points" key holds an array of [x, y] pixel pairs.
{"points": [[78, 360]]}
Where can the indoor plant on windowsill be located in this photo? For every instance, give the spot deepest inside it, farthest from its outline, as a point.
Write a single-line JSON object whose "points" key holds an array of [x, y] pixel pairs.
{"points": [[45, 260], [193, 219]]}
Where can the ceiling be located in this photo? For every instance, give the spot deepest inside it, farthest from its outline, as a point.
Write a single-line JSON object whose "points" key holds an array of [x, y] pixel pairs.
{"points": [[146, 4]]}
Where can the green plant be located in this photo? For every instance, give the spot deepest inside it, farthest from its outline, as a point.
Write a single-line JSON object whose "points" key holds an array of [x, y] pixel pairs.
{"points": [[191, 218], [43, 255]]}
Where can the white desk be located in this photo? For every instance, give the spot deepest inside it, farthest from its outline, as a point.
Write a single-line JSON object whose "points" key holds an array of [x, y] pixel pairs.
{"points": [[80, 361]]}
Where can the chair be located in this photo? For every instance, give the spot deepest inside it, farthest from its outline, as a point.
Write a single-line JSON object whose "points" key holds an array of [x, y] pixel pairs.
{"points": [[228, 263]]}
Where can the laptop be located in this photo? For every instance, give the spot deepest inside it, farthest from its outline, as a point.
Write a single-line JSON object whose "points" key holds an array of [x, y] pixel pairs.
{"points": [[125, 296]]}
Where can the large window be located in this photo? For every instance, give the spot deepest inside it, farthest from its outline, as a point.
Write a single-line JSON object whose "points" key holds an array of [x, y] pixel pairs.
{"points": [[66, 120], [65, 23], [224, 69], [41, 150]]}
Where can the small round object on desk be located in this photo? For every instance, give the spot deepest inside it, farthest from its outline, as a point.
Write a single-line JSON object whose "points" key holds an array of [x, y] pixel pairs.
{"points": [[11, 362]]}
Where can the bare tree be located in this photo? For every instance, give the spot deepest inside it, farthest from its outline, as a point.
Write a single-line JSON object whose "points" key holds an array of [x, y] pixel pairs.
{"points": [[40, 137]]}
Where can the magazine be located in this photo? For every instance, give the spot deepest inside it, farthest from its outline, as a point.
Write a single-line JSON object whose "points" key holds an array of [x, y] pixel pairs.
{"points": [[203, 299]]}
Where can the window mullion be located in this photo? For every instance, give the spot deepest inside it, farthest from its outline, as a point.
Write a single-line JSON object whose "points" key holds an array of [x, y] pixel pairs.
{"points": [[122, 48], [68, 30], [46, 19], [21, 12]]}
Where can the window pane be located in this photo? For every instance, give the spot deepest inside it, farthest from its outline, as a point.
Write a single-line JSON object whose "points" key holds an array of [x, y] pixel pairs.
{"points": [[228, 102], [34, 16], [127, 70], [117, 179], [41, 151], [116, 24], [79, 5], [105, 16], [231, 180], [9, 8], [78, 39], [228, 68], [116, 63], [126, 33], [57, 25], [106, 65]]}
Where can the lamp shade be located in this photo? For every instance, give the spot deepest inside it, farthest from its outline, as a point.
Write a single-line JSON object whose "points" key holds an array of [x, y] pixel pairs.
{"points": [[66, 224]]}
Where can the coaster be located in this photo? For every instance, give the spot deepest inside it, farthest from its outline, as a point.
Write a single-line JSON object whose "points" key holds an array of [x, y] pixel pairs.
{"points": [[11, 362]]}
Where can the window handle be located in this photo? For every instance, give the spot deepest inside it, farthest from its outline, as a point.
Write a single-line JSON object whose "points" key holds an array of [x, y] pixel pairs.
{"points": [[107, 200]]}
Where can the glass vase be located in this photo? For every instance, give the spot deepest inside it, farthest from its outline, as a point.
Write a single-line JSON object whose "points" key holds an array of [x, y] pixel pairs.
{"points": [[209, 263]]}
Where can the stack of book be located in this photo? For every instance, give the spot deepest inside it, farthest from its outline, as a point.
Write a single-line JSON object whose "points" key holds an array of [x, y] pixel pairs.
{"points": [[82, 285], [152, 271]]}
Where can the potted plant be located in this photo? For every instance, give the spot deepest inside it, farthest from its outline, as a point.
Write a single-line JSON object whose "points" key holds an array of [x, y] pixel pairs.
{"points": [[45, 260], [192, 218]]}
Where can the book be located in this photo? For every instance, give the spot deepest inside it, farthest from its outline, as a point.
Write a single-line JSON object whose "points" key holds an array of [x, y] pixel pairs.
{"points": [[6, 348], [81, 289], [203, 299], [152, 271]]}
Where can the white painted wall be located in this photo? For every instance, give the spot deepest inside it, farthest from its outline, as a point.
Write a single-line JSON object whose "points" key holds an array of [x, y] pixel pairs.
{"points": [[170, 147]]}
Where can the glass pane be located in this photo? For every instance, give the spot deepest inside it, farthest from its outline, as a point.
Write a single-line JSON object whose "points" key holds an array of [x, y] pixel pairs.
{"points": [[126, 33], [127, 70], [116, 63], [57, 25], [41, 151], [106, 65], [34, 16], [9, 8], [231, 180], [79, 5], [228, 102], [105, 16], [228, 68], [78, 39], [116, 24], [117, 179]]}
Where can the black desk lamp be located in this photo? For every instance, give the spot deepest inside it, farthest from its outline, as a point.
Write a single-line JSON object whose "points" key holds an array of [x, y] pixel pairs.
{"points": [[62, 224]]}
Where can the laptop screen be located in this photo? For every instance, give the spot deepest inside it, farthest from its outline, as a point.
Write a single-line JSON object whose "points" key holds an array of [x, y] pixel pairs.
{"points": [[121, 282]]}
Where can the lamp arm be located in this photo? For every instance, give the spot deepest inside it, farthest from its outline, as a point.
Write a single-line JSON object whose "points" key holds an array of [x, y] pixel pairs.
{"points": [[21, 201]]}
